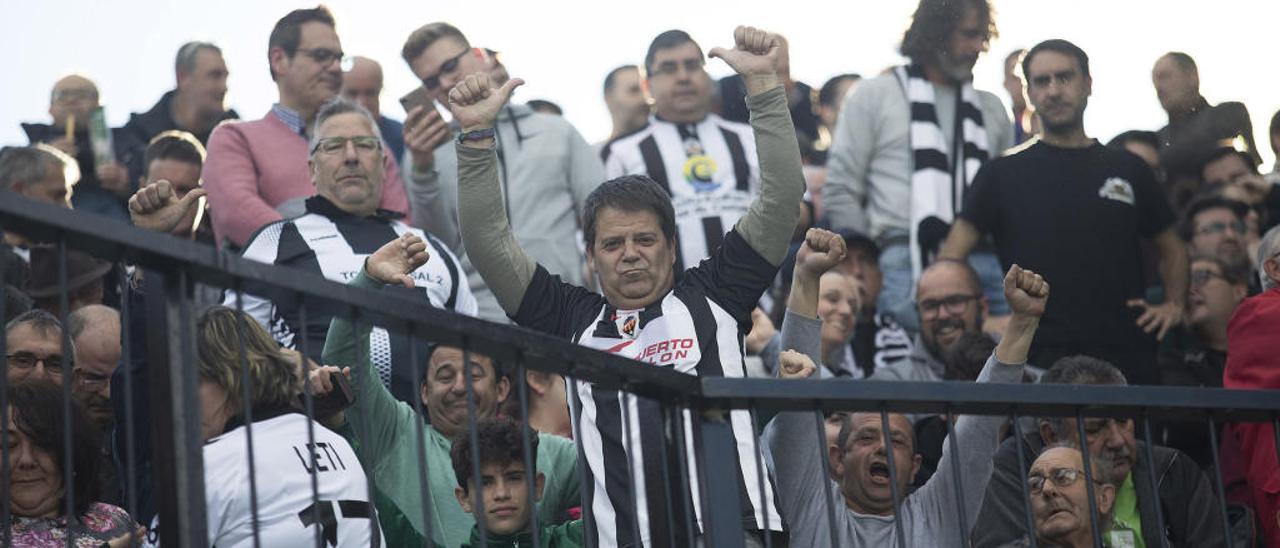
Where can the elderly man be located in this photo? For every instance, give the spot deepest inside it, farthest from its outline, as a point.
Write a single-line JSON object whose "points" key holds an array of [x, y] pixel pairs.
{"points": [[630, 235], [256, 172], [95, 332], [194, 105], [341, 227], [1060, 500], [1182, 493], [363, 85], [33, 341]]}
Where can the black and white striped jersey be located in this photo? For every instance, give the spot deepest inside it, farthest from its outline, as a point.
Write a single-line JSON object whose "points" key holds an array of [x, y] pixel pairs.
{"points": [[710, 169], [698, 329], [332, 243]]}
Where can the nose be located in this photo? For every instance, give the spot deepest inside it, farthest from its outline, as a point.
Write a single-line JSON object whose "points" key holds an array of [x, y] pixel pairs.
{"points": [[501, 491], [1115, 435], [630, 251]]}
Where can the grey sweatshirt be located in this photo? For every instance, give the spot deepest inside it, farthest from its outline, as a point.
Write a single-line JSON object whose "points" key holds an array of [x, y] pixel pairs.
{"points": [[767, 226], [930, 516], [547, 171]]}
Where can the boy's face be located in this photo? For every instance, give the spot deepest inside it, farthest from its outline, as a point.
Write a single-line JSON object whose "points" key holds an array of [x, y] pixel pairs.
{"points": [[505, 495]]}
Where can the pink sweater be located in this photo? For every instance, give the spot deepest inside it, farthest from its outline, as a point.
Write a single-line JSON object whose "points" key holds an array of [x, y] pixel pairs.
{"points": [[254, 166]]}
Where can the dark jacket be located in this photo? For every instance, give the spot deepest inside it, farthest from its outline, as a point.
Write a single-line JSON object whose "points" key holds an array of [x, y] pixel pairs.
{"points": [[89, 194], [1186, 498], [143, 127], [1187, 142], [565, 535]]}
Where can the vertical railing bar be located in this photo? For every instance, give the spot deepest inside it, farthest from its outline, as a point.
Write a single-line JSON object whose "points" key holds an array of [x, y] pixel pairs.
{"points": [[887, 435], [1275, 432], [68, 362], [761, 479], [1023, 468], [126, 352], [586, 489], [955, 477], [374, 525], [666, 477], [1088, 476], [424, 487], [531, 464], [1149, 458], [1217, 478], [246, 392], [6, 534], [632, 488], [309, 405], [477, 495], [682, 446], [827, 492]]}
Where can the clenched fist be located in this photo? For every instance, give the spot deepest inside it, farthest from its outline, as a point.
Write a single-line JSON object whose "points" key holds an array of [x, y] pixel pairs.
{"points": [[821, 251], [794, 365], [1026, 291]]}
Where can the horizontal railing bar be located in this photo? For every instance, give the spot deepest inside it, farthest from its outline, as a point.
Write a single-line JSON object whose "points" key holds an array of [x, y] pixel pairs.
{"points": [[111, 240], [989, 399]]}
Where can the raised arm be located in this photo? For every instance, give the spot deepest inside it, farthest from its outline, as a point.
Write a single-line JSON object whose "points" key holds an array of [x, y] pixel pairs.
{"points": [[772, 217], [482, 217]]}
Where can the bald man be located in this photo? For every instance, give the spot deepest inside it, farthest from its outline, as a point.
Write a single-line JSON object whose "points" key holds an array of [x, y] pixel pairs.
{"points": [[95, 332], [363, 84], [104, 188]]}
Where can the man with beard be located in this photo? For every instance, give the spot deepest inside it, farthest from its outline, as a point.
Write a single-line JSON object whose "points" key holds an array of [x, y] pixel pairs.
{"points": [[256, 172], [95, 337], [951, 304], [1182, 494], [907, 145], [1075, 210], [1060, 499]]}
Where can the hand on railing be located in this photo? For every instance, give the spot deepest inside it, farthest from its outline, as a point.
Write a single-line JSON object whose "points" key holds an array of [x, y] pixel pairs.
{"points": [[393, 262], [795, 365], [157, 207]]}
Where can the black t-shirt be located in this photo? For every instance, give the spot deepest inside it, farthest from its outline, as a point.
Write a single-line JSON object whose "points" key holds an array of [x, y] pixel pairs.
{"points": [[1075, 216]]}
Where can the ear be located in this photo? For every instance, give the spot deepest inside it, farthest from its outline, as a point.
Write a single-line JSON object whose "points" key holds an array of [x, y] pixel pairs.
{"points": [[422, 393], [916, 461], [1106, 494], [834, 455], [539, 482], [537, 382], [311, 168], [1047, 434], [984, 310], [279, 60], [644, 88], [675, 250], [504, 389], [463, 499]]}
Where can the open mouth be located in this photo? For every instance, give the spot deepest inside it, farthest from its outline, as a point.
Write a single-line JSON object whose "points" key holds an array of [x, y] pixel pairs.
{"points": [[879, 472]]}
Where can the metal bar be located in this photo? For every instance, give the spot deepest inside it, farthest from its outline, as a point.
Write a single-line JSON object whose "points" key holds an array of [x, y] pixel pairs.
{"points": [[761, 479], [419, 430], [683, 484], [1023, 467], [1094, 523], [530, 462], [586, 489], [826, 475], [629, 450], [1275, 433], [722, 515], [6, 534], [246, 397], [177, 451], [955, 476], [308, 403], [666, 475], [477, 489], [1150, 460], [374, 525], [67, 379], [1217, 480], [886, 436], [126, 359]]}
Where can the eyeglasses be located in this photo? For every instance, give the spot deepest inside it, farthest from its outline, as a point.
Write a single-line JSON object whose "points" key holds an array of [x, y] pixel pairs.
{"points": [[1201, 277], [955, 304], [91, 381], [25, 361], [333, 145], [669, 68], [1061, 477], [450, 65], [1219, 227], [324, 56]]}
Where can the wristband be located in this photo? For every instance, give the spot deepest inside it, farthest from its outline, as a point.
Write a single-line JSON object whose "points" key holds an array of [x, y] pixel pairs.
{"points": [[477, 135]]}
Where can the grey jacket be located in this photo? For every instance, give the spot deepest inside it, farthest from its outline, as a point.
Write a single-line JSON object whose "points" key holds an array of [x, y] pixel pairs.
{"points": [[930, 514], [547, 170]]}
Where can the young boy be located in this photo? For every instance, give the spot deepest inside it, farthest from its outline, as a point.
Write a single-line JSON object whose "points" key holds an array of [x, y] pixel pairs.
{"points": [[504, 491]]}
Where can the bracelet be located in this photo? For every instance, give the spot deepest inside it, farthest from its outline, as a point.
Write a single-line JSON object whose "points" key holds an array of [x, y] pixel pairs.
{"points": [[477, 135]]}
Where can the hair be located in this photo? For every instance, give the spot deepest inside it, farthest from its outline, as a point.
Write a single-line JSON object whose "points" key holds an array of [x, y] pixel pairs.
{"points": [[1080, 369], [287, 34], [82, 319], [219, 332], [40, 321], [1235, 271], [1184, 61], [334, 107], [1060, 46], [1275, 129], [421, 39], [25, 165], [1223, 152], [499, 440], [500, 370], [1014, 55], [628, 193], [935, 20], [185, 61], [667, 40], [38, 408], [1204, 203], [175, 145], [970, 274], [545, 106], [612, 77], [1145, 137], [1268, 248], [855, 240], [827, 94]]}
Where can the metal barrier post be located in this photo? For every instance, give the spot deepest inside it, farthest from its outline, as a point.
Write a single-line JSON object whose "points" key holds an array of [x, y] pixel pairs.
{"points": [[721, 516]]}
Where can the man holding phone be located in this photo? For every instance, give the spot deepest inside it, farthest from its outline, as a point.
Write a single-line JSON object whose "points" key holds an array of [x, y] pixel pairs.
{"points": [[546, 167]]}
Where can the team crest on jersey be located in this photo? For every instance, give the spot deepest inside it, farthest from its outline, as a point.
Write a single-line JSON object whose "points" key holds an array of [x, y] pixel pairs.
{"points": [[627, 325], [1117, 189], [699, 169]]}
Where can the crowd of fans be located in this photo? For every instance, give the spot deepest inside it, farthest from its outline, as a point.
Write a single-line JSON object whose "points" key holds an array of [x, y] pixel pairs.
{"points": [[898, 227]]}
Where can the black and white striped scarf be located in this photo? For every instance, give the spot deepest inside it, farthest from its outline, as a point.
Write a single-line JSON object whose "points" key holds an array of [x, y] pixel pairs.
{"points": [[941, 176]]}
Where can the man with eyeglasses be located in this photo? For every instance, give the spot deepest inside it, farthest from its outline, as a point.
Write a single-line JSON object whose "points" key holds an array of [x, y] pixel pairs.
{"points": [[256, 171], [706, 163], [1215, 227], [951, 304], [546, 168], [33, 346], [95, 334], [1060, 500], [342, 226], [1182, 492]]}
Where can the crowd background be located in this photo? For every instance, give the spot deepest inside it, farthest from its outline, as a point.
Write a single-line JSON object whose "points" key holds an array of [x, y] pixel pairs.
{"points": [[585, 39]]}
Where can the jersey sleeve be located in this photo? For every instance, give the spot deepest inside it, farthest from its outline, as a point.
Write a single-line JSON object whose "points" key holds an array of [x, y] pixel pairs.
{"points": [[553, 306], [1154, 212], [981, 201], [735, 276]]}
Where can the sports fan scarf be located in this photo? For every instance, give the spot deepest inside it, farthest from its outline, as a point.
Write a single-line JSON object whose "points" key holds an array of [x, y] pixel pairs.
{"points": [[941, 176]]}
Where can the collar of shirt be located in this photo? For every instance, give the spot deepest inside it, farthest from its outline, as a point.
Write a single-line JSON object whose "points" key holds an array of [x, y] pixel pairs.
{"points": [[322, 206], [290, 118]]}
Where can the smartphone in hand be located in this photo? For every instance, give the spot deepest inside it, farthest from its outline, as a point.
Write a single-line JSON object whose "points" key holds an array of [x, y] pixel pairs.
{"points": [[418, 97]]}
